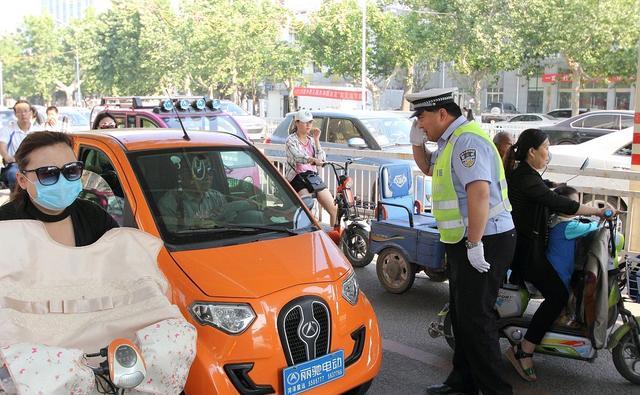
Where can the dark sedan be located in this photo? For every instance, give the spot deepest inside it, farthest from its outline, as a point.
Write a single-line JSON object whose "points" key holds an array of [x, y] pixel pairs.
{"points": [[587, 126]]}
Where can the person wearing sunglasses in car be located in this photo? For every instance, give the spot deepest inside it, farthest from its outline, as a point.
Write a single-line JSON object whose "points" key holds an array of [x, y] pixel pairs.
{"points": [[105, 121], [47, 188]]}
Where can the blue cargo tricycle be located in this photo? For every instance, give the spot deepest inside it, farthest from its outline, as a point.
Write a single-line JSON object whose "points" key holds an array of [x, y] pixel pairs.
{"points": [[405, 238]]}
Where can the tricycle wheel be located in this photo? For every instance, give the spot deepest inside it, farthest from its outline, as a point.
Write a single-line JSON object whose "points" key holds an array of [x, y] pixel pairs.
{"points": [[395, 272], [626, 358], [355, 245]]}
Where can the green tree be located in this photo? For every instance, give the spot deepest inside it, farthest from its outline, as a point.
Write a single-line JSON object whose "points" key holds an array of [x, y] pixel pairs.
{"points": [[480, 38], [596, 39], [35, 72], [9, 57], [138, 52]]}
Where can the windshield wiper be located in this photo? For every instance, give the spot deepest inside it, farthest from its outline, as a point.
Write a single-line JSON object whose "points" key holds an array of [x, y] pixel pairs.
{"points": [[255, 228]]}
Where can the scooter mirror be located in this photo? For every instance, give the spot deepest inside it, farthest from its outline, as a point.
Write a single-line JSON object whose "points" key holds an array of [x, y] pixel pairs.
{"points": [[585, 164]]}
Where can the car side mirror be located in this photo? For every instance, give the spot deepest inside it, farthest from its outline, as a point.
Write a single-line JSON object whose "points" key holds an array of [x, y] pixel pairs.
{"points": [[357, 142]]}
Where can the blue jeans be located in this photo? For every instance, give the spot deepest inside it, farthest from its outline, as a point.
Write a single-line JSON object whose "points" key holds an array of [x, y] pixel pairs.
{"points": [[9, 174]]}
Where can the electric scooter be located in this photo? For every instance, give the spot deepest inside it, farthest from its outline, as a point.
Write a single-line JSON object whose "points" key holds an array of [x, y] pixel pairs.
{"points": [[351, 230], [575, 340]]}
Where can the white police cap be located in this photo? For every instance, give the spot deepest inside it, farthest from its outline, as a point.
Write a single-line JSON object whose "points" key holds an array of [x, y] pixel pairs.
{"points": [[430, 98]]}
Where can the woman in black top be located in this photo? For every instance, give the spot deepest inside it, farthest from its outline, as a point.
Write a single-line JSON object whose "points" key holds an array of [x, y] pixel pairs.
{"points": [[47, 188], [532, 201]]}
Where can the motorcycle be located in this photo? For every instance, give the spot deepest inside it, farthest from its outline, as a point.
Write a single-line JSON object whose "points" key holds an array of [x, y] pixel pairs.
{"points": [[580, 339], [351, 230]]}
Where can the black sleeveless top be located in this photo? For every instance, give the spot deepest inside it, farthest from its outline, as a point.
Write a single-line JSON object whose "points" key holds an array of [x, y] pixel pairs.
{"points": [[89, 220]]}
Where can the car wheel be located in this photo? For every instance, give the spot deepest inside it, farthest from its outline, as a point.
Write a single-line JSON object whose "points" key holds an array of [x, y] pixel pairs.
{"points": [[566, 142], [395, 272]]}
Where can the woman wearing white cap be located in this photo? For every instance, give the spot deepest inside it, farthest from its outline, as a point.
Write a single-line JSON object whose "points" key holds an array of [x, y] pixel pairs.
{"points": [[303, 155]]}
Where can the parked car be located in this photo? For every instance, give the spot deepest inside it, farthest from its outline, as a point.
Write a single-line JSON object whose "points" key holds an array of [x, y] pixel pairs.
{"points": [[255, 127], [76, 121], [497, 112], [587, 126], [609, 152], [275, 302], [6, 117], [196, 113], [521, 122], [565, 112], [362, 130]]}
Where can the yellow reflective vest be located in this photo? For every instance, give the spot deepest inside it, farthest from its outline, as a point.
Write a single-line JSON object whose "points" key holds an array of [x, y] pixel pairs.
{"points": [[445, 204]]}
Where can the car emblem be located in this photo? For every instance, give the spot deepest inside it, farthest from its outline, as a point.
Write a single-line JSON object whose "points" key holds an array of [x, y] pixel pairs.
{"points": [[310, 329]]}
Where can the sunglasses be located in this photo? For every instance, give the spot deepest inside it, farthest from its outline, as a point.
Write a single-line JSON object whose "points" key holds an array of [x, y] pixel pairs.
{"points": [[49, 175], [107, 126]]}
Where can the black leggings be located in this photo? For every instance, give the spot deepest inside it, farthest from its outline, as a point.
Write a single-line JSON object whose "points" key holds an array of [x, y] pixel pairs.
{"points": [[544, 277]]}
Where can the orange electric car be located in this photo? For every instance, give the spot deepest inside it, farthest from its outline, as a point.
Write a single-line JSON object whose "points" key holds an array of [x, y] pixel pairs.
{"points": [[277, 306]]}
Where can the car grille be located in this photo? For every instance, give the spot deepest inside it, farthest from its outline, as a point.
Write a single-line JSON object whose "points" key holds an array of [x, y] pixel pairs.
{"points": [[304, 326]]}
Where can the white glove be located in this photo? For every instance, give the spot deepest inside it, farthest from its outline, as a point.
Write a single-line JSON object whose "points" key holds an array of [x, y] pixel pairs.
{"points": [[476, 258]]}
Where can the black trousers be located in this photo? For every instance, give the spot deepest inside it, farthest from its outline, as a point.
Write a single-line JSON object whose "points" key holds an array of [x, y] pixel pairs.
{"points": [[544, 277], [477, 360]]}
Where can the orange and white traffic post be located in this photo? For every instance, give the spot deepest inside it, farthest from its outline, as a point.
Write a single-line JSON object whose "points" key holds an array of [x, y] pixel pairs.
{"points": [[633, 243]]}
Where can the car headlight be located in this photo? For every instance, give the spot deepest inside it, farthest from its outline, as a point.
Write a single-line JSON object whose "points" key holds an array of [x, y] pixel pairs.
{"points": [[351, 289], [228, 317]]}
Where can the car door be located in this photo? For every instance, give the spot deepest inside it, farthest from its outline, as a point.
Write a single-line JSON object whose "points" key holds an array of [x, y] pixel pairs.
{"points": [[145, 122], [621, 159], [103, 186], [595, 125]]}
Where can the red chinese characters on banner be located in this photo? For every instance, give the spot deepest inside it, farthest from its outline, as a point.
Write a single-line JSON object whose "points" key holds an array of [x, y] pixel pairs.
{"points": [[556, 77], [559, 77], [327, 93]]}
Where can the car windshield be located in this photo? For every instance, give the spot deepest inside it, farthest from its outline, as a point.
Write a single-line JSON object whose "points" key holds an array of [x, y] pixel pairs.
{"points": [[75, 118], [233, 109], [210, 123], [215, 195], [389, 131]]}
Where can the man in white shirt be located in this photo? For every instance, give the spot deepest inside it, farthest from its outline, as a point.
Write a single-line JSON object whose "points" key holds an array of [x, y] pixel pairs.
{"points": [[11, 138]]}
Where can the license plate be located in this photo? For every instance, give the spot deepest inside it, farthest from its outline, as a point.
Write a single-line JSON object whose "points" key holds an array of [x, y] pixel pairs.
{"points": [[304, 376]]}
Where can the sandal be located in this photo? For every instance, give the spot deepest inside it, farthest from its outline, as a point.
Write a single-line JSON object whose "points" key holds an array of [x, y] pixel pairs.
{"points": [[514, 355]]}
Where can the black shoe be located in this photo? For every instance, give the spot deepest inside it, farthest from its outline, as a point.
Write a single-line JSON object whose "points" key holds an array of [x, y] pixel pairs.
{"points": [[441, 389]]}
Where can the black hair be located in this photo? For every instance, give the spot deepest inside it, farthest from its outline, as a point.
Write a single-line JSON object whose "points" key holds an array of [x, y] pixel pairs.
{"points": [[565, 190], [32, 142], [530, 138], [452, 109], [22, 101], [100, 117], [54, 108]]}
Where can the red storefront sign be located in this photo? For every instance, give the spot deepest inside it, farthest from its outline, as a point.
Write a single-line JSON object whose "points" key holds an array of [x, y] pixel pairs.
{"points": [[559, 77], [327, 93], [556, 77]]}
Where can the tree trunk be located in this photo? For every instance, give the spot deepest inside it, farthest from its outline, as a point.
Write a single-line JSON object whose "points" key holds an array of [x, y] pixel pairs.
{"points": [[477, 89], [408, 87], [576, 82], [68, 91], [375, 94], [292, 106]]}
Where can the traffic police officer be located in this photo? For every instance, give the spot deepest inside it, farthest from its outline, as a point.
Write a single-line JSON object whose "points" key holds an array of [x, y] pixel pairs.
{"points": [[471, 207]]}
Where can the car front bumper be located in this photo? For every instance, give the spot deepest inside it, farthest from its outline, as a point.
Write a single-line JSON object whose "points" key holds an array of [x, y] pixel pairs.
{"points": [[252, 362]]}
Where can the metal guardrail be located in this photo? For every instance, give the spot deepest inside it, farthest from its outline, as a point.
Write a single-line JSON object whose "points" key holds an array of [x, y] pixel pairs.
{"points": [[365, 181]]}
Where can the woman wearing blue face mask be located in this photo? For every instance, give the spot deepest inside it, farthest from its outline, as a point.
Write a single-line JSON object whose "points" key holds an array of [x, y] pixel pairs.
{"points": [[47, 188]]}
